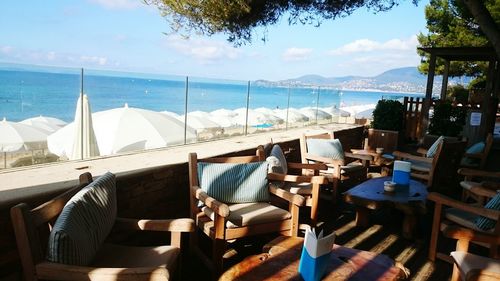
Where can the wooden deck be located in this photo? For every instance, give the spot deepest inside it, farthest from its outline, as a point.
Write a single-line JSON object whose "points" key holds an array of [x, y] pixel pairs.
{"points": [[382, 236]]}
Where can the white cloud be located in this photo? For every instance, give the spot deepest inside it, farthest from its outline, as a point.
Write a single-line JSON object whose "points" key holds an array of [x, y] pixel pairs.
{"points": [[366, 45], [117, 4], [204, 51], [296, 54], [94, 60], [6, 49]]}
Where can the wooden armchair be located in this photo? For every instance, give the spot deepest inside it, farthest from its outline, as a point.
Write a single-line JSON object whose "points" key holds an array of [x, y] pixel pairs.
{"points": [[345, 166], [458, 222], [470, 267], [477, 180], [478, 160], [307, 186], [34, 227], [227, 221], [446, 158]]}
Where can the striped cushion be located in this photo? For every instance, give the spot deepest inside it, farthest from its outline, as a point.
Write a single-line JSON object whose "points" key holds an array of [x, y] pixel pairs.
{"points": [[84, 223], [486, 223], [277, 161], [234, 183], [433, 149], [331, 148]]}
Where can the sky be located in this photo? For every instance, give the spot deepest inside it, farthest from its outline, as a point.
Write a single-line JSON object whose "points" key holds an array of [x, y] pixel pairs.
{"points": [[129, 36]]}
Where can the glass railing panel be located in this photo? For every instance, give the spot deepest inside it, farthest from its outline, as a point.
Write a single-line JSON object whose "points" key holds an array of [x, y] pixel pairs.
{"points": [[216, 108], [134, 112], [266, 105], [35, 102], [303, 107], [328, 106]]}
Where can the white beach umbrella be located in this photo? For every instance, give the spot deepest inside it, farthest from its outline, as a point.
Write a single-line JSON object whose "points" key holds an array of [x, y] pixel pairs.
{"points": [[125, 129], [199, 113], [312, 112], [199, 123], [224, 121], [294, 115], [20, 137], [334, 111], [223, 112], [255, 118], [47, 124], [265, 110], [83, 139], [366, 114], [170, 113]]}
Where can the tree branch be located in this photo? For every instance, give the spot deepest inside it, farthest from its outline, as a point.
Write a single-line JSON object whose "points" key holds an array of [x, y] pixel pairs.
{"points": [[485, 21]]}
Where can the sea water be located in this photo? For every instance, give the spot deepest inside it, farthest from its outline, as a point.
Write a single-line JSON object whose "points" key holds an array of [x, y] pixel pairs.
{"points": [[25, 94]]}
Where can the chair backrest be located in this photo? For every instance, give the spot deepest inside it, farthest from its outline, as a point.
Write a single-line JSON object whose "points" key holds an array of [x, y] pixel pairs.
{"points": [[303, 143], [32, 226], [488, 143], [386, 139], [351, 138], [446, 162]]}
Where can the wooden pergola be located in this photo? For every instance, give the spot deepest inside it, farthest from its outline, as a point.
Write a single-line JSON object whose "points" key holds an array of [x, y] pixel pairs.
{"points": [[449, 54]]}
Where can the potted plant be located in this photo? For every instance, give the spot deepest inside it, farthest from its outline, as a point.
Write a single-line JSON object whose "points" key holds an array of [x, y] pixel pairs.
{"points": [[387, 122]]}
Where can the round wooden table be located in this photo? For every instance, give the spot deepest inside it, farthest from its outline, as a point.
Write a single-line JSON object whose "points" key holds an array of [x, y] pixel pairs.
{"points": [[281, 262], [370, 195]]}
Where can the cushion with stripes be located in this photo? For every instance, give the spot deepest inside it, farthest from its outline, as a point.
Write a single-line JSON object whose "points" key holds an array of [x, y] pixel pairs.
{"points": [[277, 161], [433, 149], [84, 223], [330, 148], [234, 182], [485, 223]]}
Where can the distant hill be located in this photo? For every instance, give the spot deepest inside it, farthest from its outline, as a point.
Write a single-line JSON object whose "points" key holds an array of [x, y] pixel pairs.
{"points": [[406, 79]]}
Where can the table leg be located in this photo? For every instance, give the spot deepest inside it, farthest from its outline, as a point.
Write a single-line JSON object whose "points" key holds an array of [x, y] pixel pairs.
{"points": [[409, 223], [362, 214]]}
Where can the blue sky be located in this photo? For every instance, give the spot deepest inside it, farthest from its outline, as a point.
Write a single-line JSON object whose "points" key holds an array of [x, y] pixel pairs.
{"points": [[126, 35]]}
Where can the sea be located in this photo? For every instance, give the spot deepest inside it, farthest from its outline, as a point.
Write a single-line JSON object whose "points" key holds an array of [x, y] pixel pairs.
{"points": [[28, 93]]}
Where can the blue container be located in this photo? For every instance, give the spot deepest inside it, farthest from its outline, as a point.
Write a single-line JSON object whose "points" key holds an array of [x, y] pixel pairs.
{"points": [[401, 174]]}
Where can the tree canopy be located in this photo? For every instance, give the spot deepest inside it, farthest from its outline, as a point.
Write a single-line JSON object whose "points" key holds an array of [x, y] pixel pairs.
{"points": [[238, 18], [450, 24]]}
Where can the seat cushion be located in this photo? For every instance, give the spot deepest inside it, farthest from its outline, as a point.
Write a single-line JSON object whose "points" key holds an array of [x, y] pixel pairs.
{"points": [[433, 149], [112, 255], [486, 223], [251, 213], [277, 161], [329, 148], [467, 263], [84, 223], [234, 182], [461, 217], [298, 188]]}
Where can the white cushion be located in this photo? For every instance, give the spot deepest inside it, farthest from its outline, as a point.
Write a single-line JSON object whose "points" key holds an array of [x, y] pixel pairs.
{"points": [[251, 213], [468, 262], [277, 161], [433, 149]]}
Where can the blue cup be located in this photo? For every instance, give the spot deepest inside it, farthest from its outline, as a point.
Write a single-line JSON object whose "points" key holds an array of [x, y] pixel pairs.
{"points": [[401, 174]]}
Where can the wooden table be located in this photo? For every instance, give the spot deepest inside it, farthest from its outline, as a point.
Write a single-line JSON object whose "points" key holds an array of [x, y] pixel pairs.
{"points": [[281, 262], [370, 195]]}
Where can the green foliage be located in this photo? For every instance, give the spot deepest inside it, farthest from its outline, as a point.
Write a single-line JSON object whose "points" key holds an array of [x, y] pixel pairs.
{"points": [[388, 115], [450, 24], [447, 120], [458, 93], [238, 18]]}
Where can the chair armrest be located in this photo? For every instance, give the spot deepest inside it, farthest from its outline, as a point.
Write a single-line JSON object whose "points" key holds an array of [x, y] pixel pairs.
{"points": [[218, 207], [422, 150], [324, 159], [297, 179], [59, 271], [447, 201], [404, 155], [461, 233], [358, 156], [483, 191], [172, 225], [295, 199], [478, 173], [312, 166]]}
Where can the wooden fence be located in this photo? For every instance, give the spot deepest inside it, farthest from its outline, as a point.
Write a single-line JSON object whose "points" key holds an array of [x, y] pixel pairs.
{"points": [[413, 119]]}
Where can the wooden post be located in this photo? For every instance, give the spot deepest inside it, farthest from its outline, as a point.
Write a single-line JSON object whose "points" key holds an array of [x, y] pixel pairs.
{"points": [[444, 86], [428, 94]]}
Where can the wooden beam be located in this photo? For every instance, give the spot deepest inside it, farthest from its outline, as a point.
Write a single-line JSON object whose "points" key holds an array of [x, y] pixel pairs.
{"points": [[444, 85], [428, 93]]}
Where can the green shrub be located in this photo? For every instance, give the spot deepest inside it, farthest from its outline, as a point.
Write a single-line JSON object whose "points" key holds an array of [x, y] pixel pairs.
{"points": [[458, 93], [388, 115], [447, 120]]}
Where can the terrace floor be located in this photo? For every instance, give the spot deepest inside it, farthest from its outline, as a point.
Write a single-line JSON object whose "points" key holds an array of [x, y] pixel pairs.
{"points": [[383, 236]]}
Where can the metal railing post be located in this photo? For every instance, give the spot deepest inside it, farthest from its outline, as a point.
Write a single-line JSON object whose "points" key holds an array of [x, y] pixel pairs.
{"points": [[248, 104], [186, 109], [317, 106], [287, 108], [81, 114]]}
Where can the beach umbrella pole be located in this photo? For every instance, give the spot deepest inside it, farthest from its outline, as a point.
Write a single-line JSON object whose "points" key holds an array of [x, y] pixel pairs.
{"points": [[248, 104]]}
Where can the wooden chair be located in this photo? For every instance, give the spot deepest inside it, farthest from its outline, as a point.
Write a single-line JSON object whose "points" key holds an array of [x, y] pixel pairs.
{"points": [[307, 186], [32, 227], [470, 267], [478, 160], [478, 178], [222, 222], [458, 222], [447, 158], [388, 140], [353, 168]]}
